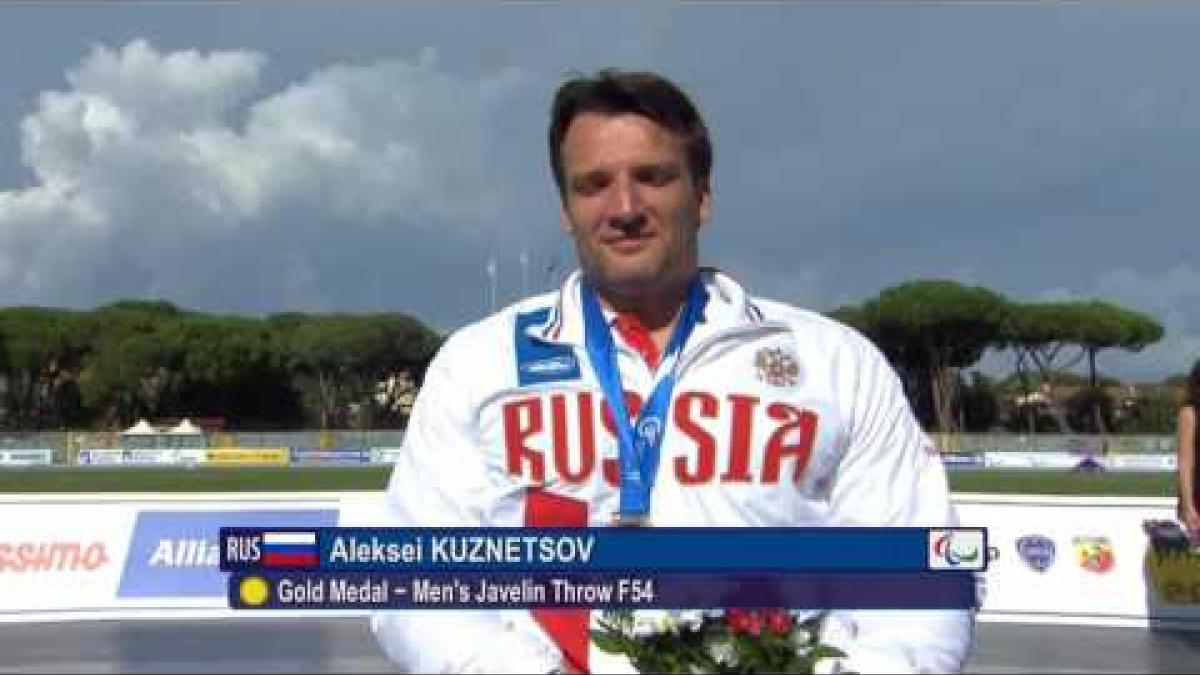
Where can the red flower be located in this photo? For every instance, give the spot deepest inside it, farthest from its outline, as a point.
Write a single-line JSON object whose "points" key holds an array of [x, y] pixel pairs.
{"points": [[779, 621], [735, 619], [754, 623], [744, 621]]}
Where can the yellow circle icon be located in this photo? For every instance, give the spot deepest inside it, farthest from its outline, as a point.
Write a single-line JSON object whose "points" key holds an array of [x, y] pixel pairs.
{"points": [[254, 591]]}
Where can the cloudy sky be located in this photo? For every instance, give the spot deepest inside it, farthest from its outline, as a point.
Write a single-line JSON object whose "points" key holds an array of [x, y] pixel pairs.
{"points": [[320, 155]]}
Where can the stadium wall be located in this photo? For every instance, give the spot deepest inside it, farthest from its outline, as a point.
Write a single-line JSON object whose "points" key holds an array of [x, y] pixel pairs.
{"points": [[1073, 560]]}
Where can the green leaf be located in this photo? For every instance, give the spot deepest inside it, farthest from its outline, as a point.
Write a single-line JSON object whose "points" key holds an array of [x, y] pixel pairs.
{"points": [[752, 647], [800, 664], [610, 643], [825, 652]]}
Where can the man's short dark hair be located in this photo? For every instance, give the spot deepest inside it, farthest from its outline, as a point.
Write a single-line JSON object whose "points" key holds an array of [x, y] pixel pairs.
{"points": [[613, 92]]}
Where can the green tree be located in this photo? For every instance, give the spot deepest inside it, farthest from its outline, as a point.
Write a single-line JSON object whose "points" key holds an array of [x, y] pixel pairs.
{"points": [[135, 358], [1054, 336], [233, 368], [135, 366], [929, 329], [1102, 326], [980, 403], [394, 377], [41, 355], [1040, 335], [1178, 380], [1091, 410], [1068, 378], [338, 361], [851, 315], [136, 370], [1152, 413]]}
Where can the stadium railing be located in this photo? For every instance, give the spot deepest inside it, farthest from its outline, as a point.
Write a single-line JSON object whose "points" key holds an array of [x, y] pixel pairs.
{"points": [[66, 444]]}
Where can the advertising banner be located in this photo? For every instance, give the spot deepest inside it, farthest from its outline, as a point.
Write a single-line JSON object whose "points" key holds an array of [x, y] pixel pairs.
{"points": [[55, 556], [246, 456], [386, 456], [151, 456], [175, 553], [126, 457], [1005, 459], [962, 460], [1081, 559], [191, 456], [102, 555], [331, 456], [1141, 462], [39, 457], [1151, 463], [100, 457]]}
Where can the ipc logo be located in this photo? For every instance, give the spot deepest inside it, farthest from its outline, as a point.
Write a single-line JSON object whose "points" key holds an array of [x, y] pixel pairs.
{"points": [[649, 428], [957, 549]]}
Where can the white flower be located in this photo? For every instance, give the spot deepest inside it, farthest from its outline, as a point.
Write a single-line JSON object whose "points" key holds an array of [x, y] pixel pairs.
{"points": [[801, 637], [620, 620], [610, 664], [830, 666], [721, 650], [691, 619], [653, 621]]}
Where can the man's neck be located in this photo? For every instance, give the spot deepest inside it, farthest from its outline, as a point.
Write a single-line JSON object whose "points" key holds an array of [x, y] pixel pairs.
{"points": [[658, 311]]}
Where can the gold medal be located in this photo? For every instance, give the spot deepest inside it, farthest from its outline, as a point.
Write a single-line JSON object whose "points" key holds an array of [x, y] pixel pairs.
{"points": [[626, 520]]}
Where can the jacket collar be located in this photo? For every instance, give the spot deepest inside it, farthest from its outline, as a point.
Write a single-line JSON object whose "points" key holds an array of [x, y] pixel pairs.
{"points": [[728, 306]]}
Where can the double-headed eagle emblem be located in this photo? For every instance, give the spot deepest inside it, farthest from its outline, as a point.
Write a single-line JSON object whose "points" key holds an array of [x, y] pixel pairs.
{"points": [[777, 366]]}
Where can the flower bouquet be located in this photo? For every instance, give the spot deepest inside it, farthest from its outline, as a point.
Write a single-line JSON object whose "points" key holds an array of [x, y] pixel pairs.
{"points": [[721, 641]]}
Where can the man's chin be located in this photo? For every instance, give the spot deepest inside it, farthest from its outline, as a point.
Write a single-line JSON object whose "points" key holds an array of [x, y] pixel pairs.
{"points": [[630, 283]]}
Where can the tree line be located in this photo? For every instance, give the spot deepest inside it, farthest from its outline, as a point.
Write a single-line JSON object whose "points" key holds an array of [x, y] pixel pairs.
{"points": [[932, 329], [107, 367]]}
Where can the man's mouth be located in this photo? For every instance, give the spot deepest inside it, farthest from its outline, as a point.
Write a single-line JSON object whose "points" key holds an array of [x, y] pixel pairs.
{"points": [[627, 243]]}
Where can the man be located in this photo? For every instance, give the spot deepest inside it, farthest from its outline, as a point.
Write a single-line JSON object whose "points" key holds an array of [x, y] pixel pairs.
{"points": [[759, 414]]}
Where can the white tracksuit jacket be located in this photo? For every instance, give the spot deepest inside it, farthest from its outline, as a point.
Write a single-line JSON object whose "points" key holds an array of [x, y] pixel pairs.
{"points": [[511, 403]]}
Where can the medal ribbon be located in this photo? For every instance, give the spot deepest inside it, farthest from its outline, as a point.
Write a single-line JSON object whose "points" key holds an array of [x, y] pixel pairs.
{"points": [[638, 444]]}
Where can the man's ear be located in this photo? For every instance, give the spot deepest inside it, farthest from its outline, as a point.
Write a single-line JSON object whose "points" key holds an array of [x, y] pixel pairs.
{"points": [[704, 194], [564, 219]]}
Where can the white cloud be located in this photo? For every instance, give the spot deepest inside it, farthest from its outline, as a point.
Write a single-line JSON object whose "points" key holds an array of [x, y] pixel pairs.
{"points": [[146, 156]]}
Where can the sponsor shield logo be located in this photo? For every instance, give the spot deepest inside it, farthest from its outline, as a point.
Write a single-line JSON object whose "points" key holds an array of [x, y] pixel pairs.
{"points": [[1038, 551], [1095, 554]]}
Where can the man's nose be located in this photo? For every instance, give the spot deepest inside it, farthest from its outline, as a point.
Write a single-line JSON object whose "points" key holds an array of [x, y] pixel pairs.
{"points": [[625, 205]]}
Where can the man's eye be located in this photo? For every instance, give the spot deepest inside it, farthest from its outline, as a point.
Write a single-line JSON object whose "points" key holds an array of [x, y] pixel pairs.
{"points": [[656, 175], [590, 184]]}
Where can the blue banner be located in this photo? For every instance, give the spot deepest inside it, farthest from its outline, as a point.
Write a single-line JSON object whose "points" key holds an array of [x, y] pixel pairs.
{"points": [[659, 549], [310, 590], [331, 456], [963, 460], [175, 553]]}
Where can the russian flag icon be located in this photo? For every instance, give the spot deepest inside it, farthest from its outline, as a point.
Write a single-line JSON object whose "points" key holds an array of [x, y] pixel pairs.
{"points": [[290, 549]]}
